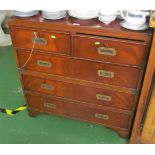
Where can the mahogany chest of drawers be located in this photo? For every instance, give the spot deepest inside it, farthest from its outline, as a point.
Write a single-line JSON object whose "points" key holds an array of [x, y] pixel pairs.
{"points": [[83, 70]]}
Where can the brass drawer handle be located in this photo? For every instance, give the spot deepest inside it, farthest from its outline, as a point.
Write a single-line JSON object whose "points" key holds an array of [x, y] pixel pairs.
{"points": [[49, 105], [103, 97], [47, 87], [38, 40], [106, 51], [101, 116], [44, 63], [104, 73]]}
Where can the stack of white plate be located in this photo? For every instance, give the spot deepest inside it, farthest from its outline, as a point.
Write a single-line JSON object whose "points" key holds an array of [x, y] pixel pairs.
{"points": [[54, 14], [25, 13], [84, 14]]}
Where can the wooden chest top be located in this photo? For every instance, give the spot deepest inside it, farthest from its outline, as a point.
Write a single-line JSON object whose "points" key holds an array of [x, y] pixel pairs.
{"points": [[73, 25]]}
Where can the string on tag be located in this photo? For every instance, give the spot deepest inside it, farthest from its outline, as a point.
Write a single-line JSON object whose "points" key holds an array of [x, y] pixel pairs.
{"points": [[33, 46]]}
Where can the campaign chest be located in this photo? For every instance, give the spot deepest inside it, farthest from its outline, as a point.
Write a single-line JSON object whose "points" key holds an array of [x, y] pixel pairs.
{"points": [[83, 70]]}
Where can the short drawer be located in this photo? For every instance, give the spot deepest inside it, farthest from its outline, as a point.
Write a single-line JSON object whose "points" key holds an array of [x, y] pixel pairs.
{"points": [[79, 69], [110, 50], [77, 92], [78, 111], [55, 42]]}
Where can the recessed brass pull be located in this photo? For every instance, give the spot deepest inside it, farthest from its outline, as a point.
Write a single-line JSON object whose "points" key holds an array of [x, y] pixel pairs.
{"points": [[47, 87], [49, 105], [41, 41], [44, 63], [106, 51], [101, 116], [104, 73], [103, 97]]}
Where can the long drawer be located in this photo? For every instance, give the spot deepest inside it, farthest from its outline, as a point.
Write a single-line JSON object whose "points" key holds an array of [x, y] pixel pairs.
{"points": [[110, 50], [56, 42], [79, 69], [82, 93], [78, 111]]}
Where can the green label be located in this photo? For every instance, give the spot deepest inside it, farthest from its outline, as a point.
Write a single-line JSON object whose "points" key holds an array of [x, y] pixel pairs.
{"points": [[97, 43], [53, 37]]}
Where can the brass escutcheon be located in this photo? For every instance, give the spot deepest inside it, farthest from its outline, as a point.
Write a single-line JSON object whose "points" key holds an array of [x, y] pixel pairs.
{"points": [[44, 63], [103, 97], [101, 116], [47, 87], [41, 41], [106, 51], [49, 105], [104, 73]]}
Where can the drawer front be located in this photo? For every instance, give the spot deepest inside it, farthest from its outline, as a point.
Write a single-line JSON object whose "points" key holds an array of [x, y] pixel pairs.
{"points": [[110, 50], [81, 93], [44, 40], [85, 70], [78, 111]]}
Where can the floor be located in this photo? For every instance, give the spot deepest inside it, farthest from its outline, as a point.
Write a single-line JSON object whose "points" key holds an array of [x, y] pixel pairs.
{"points": [[43, 129]]}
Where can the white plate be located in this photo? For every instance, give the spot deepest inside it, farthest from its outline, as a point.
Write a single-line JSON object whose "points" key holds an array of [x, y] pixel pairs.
{"points": [[25, 13], [84, 15], [53, 15], [123, 24], [54, 11]]}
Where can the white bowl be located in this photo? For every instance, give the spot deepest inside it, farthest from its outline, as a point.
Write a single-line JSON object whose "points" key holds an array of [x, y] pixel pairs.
{"points": [[25, 13], [108, 12], [84, 14], [107, 19]]}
